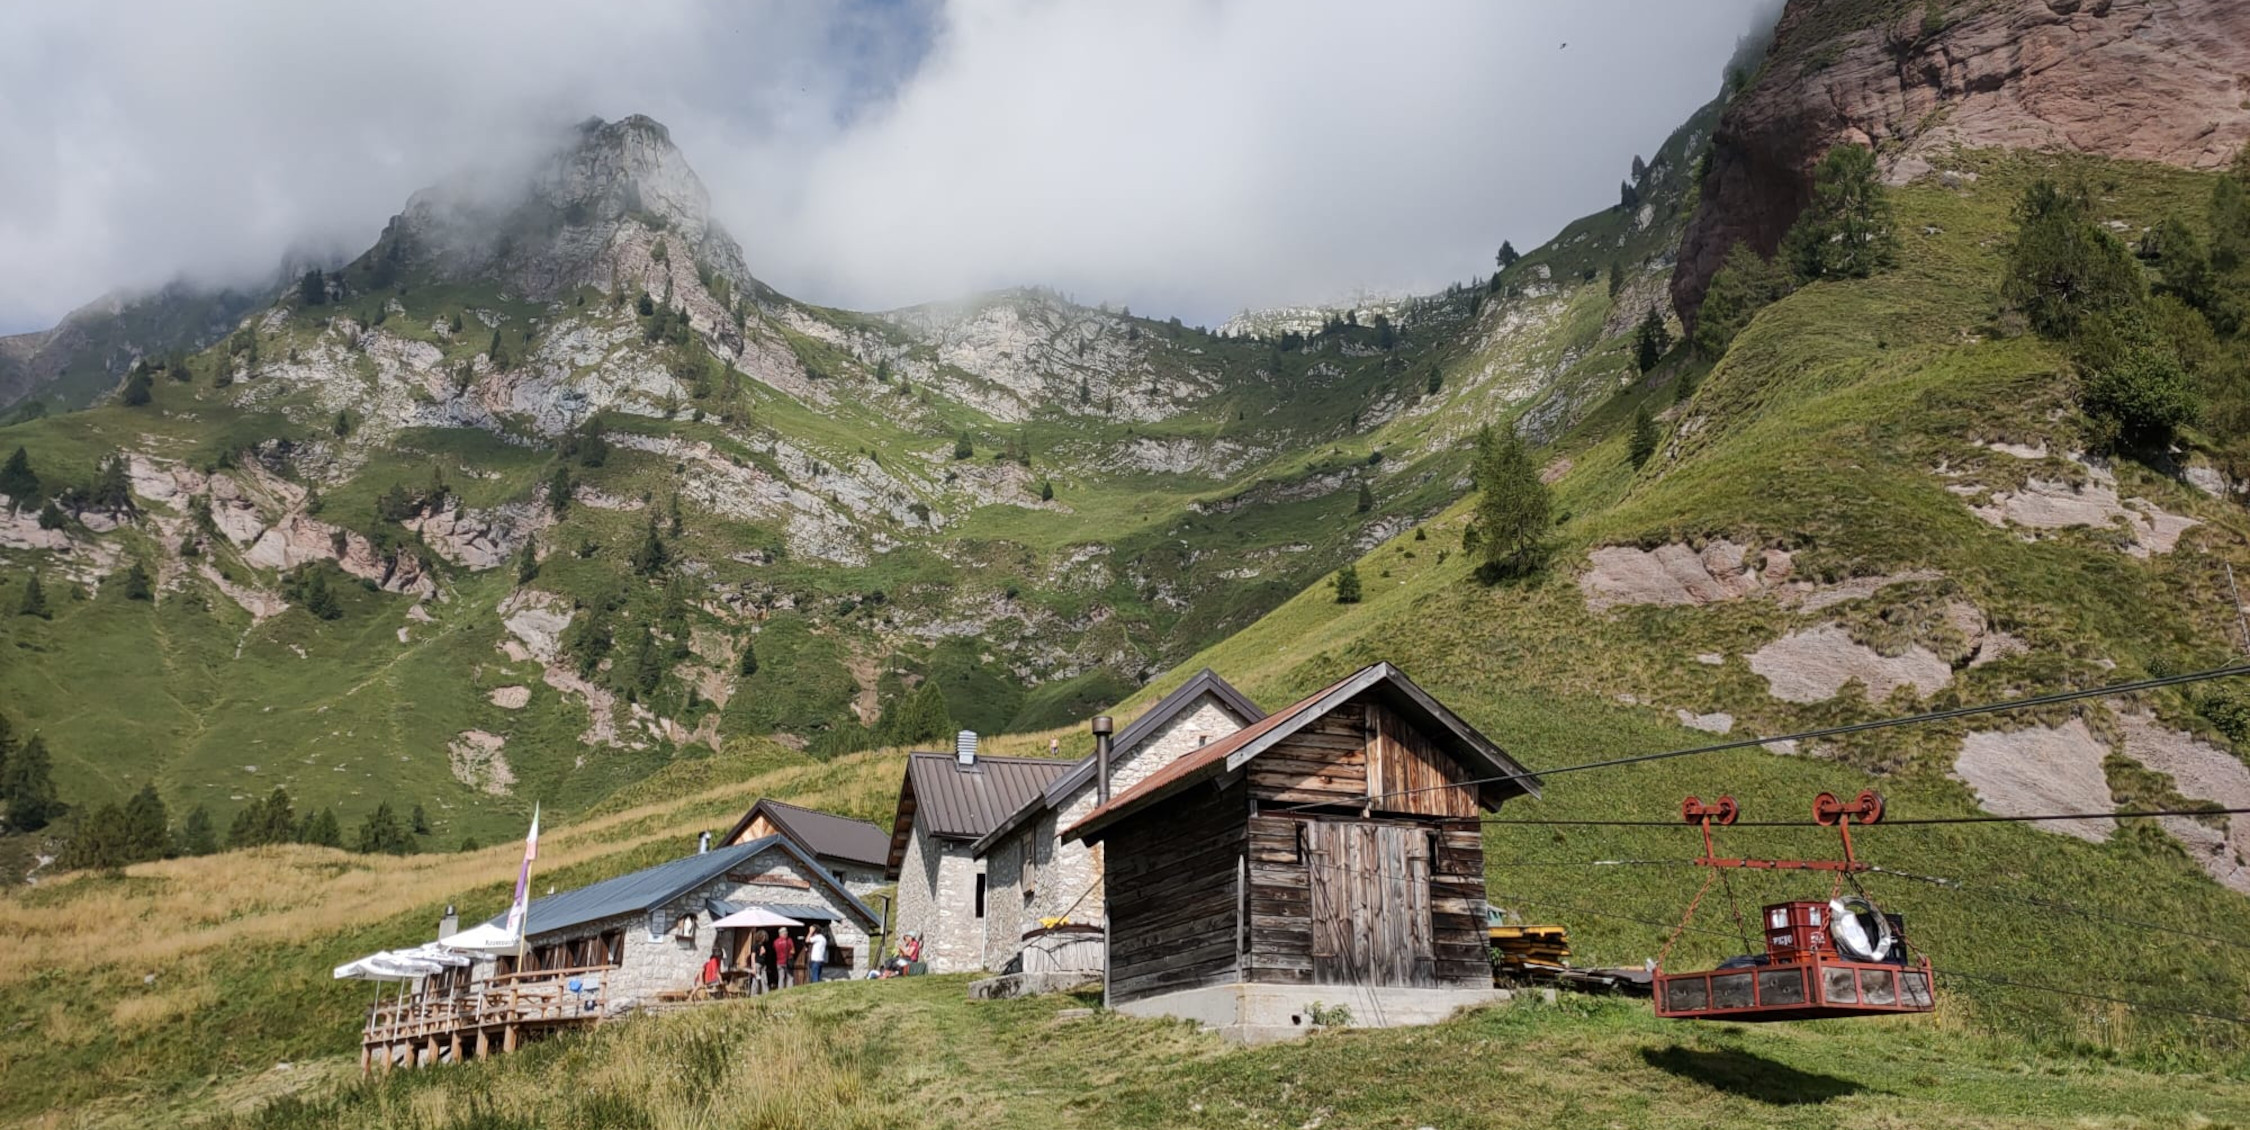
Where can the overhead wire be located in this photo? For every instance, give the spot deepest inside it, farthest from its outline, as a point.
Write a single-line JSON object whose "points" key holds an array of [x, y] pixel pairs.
{"points": [[2051, 698], [1886, 822]]}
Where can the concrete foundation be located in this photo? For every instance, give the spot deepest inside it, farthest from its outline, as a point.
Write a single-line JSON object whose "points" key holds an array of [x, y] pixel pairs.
{"points": [[1264, 1014], [1008, 986]]}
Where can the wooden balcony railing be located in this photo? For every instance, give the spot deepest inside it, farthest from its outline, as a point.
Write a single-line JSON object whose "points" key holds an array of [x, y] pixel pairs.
{"points": [[425, 1026]]}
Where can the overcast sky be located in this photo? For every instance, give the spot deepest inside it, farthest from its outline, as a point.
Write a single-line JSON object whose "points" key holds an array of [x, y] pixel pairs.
{"points": [[1187, 157]]}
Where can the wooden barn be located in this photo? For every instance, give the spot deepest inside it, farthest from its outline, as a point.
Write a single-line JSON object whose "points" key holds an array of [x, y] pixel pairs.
{"points": [[1330, 852]]}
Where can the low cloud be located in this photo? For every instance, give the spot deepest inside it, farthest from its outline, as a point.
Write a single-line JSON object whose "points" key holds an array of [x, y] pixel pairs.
{"points": [[1183, 156]]}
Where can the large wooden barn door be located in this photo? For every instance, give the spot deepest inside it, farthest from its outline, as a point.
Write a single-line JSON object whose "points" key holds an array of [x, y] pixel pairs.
{"points": [[1370, 904]]}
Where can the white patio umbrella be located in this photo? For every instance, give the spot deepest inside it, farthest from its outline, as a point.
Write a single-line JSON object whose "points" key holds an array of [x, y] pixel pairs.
{"points": [[485, 937], [364, 970], [755, 916]]}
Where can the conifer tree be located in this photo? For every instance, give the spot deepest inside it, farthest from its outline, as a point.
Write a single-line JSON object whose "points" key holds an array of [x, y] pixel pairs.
{"points": [[51, 516], [2062, 269], [420, 821], [963, 448], [527, 562], [650, 558], [559, 491], [27, 785], [648, 664], [243, 831], [137, 584], [381, 832], [319, 600], [1366, 498], [1513, 509], [34, 602], [1745, 284], [197, 836], [1651, 341], [147, 827], [1046, 490], [1643, 444], [1508, 256], [1347, 584], [96, 839], [277, 818], [748, 665], [139, 389], [1848, 230], [18, 481], [321, 829], [1435, 382]]}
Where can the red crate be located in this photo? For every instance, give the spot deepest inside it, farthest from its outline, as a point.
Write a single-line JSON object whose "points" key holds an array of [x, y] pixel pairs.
{"points": [[1797, 929]]}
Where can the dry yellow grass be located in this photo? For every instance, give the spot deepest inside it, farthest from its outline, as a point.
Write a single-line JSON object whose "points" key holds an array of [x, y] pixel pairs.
{"points": [[166, 913]]}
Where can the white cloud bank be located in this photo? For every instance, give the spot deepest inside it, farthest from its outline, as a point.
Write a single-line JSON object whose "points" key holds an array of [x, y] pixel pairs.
{"points": [[1184, 156]]}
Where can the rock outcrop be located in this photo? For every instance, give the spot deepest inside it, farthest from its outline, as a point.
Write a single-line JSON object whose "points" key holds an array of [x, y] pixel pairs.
{"points": [[2145, 80]]}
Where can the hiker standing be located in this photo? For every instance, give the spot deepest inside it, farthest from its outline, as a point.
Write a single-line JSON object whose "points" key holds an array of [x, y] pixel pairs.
{"points": [[764, 961], [784, 948], [816, 955]]}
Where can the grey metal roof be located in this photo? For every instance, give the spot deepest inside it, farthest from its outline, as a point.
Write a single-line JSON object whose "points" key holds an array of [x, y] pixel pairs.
{"points": [[963, 802], [640, 891], [1058, 792], [803, 913], [821, 833]]}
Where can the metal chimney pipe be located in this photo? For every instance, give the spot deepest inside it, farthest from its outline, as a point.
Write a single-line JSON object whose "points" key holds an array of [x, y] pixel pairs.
{"points": [[1103, 727]]}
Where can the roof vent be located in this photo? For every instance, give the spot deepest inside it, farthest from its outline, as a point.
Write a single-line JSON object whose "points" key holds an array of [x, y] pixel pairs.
{"points": [[965, 747]]}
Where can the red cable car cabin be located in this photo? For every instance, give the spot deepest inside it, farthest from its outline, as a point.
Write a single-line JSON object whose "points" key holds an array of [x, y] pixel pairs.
{"points": [[1823, 959]]}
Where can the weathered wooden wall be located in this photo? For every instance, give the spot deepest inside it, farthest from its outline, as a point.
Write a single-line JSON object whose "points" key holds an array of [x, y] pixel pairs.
{"points": [[1173, 889]]}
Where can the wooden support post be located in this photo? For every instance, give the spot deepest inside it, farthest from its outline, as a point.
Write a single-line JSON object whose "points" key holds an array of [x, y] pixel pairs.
{"points": [[484, 1042], [366, 1059], [508, 1038], [456, 1046]]}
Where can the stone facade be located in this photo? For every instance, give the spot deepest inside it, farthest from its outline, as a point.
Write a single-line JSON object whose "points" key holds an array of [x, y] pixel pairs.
{"points": [[937, 895], [661, 961], [1032, 876]]}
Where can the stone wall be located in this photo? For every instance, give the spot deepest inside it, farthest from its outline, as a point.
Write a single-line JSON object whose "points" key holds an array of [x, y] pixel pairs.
{"points": [[1064, 880], [937, 891]]}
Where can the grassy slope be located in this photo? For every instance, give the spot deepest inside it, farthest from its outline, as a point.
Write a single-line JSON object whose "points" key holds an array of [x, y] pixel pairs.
{"points": [[1821, 431], [917, 1052]]}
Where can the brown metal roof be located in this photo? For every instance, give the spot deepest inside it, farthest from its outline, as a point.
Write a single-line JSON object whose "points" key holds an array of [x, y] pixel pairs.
{"points": [[963, 802], [1081, 774], [821, 833], [1503, 775]]}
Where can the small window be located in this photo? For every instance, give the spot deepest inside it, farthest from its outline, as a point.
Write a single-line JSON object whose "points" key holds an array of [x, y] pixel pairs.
{"points": [[840, 876], [980, 894]]}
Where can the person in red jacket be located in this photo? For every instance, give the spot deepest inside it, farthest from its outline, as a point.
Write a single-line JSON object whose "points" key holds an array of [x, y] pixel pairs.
{"points": [[784, 948]]}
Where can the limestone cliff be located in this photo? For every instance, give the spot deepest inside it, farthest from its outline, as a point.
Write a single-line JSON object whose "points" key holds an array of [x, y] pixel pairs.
{"points": [[2150, 80]]}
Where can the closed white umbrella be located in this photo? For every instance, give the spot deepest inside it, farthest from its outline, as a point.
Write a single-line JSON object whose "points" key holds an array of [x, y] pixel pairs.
{"points": [[755, 916], [483, 938], [362, 970]]}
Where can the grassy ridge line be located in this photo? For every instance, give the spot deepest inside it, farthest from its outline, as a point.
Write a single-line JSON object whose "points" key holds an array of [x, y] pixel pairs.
{"points": [[917, 1052]]}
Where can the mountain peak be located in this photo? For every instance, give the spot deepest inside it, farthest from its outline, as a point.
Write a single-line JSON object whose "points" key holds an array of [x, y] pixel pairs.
{"points": [[589, 211]]}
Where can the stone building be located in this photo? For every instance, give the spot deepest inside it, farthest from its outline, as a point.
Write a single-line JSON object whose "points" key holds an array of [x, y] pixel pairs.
{"points": [[854, 851], [649, 932], [947, 802], [1031, 876]]}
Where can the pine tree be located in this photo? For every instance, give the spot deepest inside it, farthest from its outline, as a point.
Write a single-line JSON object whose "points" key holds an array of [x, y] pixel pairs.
{"points": [[748, 665], [319, 600], [2062, 269], [673, 522], [1513, 509], [34, 602], [197, 836], [1651, 341], [27, 785], [1347, 584], [421, 821], [650, 558], [1848, 230], [648, 664], [381, 832], [1643, 444], [454, 324], [1745, 284], [343, 424], [321, 829], [1046, 490], [51, 516], [147, 827], [963, 448], [527, 562], [1616, 279], [18, 481], [140, 388], [137, 583], [1435, 382], [96, 840], [277, 818], [1366, 497], [243, 832], [312, 289], [558, 491], [1507, 257]]}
